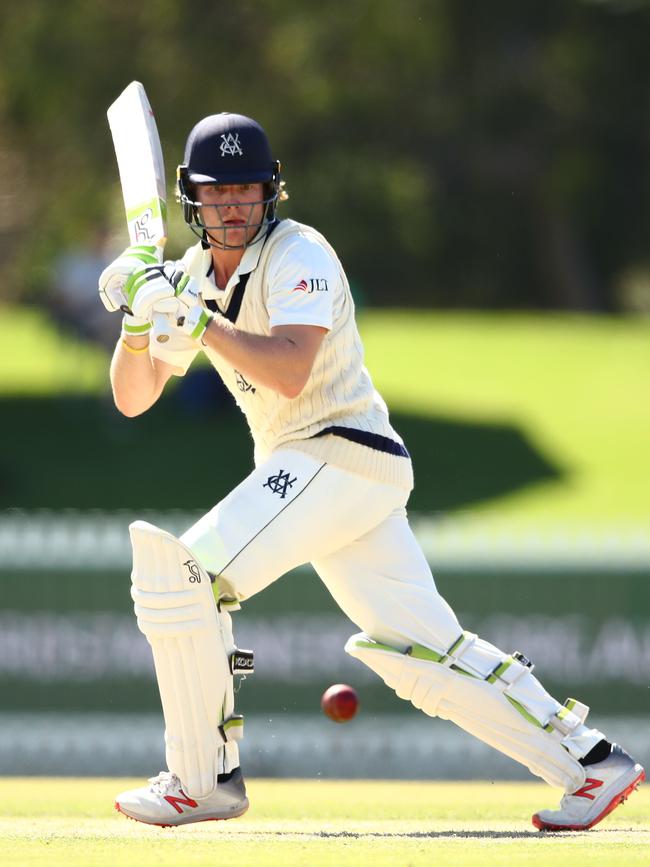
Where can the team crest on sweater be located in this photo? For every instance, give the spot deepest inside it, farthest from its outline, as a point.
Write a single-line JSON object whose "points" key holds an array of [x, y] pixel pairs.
{"points": [[243, 384]]}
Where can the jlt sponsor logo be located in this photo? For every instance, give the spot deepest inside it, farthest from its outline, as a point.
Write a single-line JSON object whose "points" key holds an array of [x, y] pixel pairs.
{"points": [[314, 284], [280, 483]]}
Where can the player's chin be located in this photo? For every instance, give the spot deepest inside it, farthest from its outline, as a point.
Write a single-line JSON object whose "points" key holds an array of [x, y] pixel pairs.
{"points": [[220, 238], [232, 236]]}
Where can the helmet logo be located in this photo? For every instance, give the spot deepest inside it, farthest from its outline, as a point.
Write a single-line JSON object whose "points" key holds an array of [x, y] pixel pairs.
{"points": [[230, 145]]}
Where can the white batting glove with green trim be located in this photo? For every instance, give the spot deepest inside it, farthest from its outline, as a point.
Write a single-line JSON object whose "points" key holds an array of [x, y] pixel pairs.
{"points": [[195, 321], [113, 278], [135, 325], [150, 290], [190, 316]]}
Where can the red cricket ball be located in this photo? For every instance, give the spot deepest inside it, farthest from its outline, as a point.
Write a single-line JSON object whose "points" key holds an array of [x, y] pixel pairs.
{"points": [[340, 702]]}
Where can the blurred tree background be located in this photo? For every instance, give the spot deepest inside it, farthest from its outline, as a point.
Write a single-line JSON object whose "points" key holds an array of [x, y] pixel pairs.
{"points": [[483, 163], [457, 153]]}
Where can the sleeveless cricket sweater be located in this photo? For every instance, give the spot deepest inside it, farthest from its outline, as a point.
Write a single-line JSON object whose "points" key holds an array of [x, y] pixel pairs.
{"points": [[338, 417]]}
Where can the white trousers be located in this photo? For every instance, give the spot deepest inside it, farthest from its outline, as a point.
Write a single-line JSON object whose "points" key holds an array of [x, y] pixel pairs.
{"points": [[294, 510], [354, 531]]}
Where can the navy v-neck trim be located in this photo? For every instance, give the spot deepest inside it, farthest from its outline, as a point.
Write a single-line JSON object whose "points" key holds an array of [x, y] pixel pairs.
{"points": [[234, 305]]}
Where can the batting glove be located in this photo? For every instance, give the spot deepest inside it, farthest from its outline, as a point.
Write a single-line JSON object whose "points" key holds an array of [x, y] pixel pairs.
{"points": [[150, 290], [195, 321], [135, 325], [190, 316], [113, 278]]}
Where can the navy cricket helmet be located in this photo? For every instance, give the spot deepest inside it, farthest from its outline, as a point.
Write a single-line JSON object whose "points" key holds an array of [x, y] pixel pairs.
{"points": [[227, 149]]}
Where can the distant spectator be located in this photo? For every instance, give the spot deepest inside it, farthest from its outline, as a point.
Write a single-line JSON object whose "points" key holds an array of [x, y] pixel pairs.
{"points": [[72, 298]]}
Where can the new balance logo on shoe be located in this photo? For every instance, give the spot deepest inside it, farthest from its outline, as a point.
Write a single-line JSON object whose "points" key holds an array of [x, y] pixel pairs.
{"points": [[586, 789], [175, 801]]}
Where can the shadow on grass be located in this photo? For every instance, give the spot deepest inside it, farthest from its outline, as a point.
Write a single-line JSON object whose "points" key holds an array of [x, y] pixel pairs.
{"points": [[429, 834], [81, 453], [413, 835]]}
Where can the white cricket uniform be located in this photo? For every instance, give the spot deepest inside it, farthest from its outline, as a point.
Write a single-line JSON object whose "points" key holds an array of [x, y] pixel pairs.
{"points": [[332, 477], [312, 495]]}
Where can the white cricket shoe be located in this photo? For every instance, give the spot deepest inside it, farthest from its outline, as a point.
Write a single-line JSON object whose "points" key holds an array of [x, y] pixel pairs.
{"points": [[163, 802], [607, 785]]}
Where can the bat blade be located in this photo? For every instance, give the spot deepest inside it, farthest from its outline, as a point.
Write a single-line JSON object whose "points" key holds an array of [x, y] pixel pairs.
{"points": [[141, 165]]}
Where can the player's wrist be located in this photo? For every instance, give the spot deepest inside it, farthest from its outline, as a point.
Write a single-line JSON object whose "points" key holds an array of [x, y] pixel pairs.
{"points": [[210, 327], [195, 322], [135, 334], [133, 349]]}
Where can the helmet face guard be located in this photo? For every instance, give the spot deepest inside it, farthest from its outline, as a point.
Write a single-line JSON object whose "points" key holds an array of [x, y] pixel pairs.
{"points": [[196, 214], [227, 150]]}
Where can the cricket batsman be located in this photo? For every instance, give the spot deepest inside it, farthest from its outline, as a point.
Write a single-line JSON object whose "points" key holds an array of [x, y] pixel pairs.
{"points": [[268, 302]]}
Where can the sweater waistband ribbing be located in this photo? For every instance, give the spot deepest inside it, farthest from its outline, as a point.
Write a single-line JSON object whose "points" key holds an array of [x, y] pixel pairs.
{"points": [[366, 438]]}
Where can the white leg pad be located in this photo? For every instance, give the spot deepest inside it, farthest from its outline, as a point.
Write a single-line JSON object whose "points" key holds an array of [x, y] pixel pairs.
{"points": [[476, 705], [177, 613]]}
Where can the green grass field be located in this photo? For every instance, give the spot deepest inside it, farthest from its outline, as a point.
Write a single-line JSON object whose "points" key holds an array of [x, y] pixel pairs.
{"points": [[574, 386], [38, 359], [71, 823]]}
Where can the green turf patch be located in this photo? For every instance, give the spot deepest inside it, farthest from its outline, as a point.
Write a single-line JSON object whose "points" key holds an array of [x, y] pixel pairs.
{"points": [[40, 359], [71, 822], [522, 417], [575, 387]]}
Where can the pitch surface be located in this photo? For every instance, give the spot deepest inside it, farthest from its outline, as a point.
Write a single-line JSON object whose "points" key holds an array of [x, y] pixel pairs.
{"points": [[294, 822]]}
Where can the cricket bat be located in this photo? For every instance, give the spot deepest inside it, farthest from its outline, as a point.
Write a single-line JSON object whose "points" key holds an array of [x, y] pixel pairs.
{"points": [[141, 166], [142, 172]]}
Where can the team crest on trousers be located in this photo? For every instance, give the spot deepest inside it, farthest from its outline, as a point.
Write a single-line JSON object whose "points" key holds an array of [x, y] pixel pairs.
{"points": [[280, 483]]}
